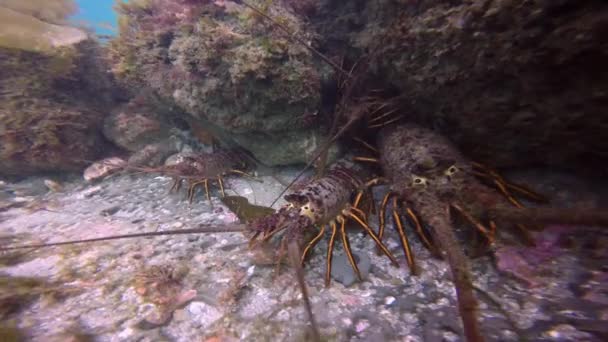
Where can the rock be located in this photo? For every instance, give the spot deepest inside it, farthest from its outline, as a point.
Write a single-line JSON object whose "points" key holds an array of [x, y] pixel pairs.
{"points": [[25, 32], [228, 68], [56, 91], [153, 154], [177, 158], [342, 271], [53, 185], [103, 168], [508, 83], [133, 128], [285, 148]]}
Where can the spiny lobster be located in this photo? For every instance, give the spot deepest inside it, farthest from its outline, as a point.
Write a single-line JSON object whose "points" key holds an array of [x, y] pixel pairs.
{"points": [[198, 170], [430, 178], [327, 201]]}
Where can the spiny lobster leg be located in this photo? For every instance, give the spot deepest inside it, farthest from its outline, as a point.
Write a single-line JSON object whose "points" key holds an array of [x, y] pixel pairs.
{"points": [[205, 182], [504, 187], [487, 173], [360, 212], [382, 213], [221, 183], [312, 243], [374, 237], [420, 231], [238, 172], [366, 144], [177, 184], [191, 191], [375, 122], [480, 227], [382, 124], [347, 249], [404, 242], [366, 159], [330, 249], [358, 199], [507, 194]]}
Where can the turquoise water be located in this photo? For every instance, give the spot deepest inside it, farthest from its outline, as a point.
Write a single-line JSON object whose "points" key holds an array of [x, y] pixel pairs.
{"points": [[97, 15]]}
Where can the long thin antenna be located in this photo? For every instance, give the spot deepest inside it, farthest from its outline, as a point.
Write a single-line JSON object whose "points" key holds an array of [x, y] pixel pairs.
{"points": [[297, 39], [317, 155], [200, 230], [294, 258]]}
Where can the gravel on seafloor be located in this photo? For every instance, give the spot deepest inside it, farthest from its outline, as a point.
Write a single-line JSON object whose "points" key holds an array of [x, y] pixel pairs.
{"points": [[240, 299]]}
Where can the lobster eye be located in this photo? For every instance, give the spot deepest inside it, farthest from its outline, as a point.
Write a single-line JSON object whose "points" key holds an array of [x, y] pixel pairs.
{"points": [[420, 181], [451, 170], [307, 210]]}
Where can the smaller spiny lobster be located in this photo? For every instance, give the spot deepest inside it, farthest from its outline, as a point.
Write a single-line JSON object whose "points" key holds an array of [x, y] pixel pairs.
{"points": [[325, 202], [199, 170]]}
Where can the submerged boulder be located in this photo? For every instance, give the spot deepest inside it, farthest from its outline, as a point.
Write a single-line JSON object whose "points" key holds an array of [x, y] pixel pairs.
{"points": [[222, 63], [512, 82], [55, 91]]}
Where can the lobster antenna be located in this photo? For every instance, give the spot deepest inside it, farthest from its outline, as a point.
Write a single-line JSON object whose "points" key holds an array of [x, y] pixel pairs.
{"points": [[296, 38], [317, 155], [571, 216], [200, 230], [352, 119], [294, 258]]}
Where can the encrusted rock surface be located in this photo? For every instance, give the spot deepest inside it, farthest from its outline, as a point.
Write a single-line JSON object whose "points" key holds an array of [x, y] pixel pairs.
{"points": [[55, 90], [239, 299], [513, 82], [220, 62]]}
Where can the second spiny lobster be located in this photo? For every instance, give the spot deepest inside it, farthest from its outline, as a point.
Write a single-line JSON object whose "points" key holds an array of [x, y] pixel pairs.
{"points": [[430, 180]]}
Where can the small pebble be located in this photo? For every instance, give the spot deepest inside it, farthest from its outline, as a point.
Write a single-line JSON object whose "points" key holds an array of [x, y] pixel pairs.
{"points": [[52, 185], [389, 300], [110, 211], [362, 325], [87, 193], [342, 271]]}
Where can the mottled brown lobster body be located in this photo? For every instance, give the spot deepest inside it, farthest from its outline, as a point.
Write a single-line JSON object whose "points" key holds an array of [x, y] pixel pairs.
{"points": [[327, 201], [428, 174], [198, 169], [203, 165], [317, 203], [410, 152]]}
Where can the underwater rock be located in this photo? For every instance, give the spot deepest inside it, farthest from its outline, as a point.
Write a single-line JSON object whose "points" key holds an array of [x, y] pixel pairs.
{"points": [[153, 154], [285, 148], [103, 168], [55, 91], [220, 62], [133, 128], [26, 32], [343, 272], [54, 186], [508, 81]]}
